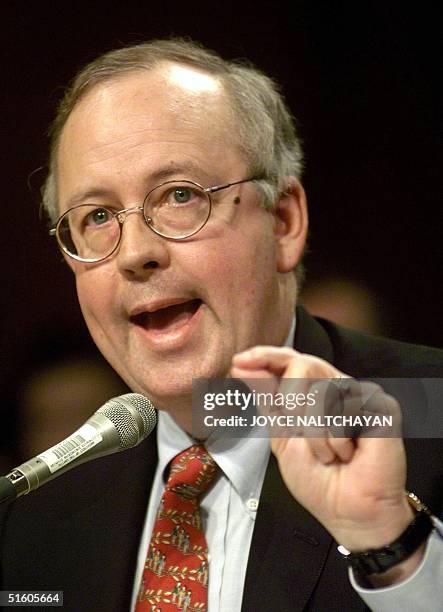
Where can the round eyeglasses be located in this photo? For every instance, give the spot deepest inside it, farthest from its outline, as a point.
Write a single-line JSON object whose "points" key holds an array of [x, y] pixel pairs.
{"points": [[174, 209]]}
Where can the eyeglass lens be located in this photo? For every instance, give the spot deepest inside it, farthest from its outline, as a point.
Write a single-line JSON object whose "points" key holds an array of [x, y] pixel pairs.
{"points": [[173, 210]]}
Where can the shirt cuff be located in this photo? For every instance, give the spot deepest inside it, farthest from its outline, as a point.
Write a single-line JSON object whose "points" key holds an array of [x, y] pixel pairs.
{"points": [[420, 591]]}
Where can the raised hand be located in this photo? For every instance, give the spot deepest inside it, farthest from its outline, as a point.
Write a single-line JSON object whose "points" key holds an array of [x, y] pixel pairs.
{"points": [[354, 487]]}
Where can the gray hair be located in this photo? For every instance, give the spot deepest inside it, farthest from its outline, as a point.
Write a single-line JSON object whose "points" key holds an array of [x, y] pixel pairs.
{"points": [[266, 129]]}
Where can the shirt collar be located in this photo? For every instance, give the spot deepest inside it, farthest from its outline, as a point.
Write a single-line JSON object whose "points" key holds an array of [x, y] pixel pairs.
{"points": [[242, 460]]}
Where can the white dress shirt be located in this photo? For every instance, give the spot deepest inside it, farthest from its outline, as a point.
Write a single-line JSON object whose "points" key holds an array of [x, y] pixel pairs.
{"points": [[228, 512], [228, 509]]}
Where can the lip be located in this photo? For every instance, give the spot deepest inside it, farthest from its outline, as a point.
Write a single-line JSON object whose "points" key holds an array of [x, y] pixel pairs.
{"points": [[157, 305], [172, 337]]}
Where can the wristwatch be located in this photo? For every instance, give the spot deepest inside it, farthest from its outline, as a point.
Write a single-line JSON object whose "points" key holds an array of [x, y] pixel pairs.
{"points": [[378, 560]]}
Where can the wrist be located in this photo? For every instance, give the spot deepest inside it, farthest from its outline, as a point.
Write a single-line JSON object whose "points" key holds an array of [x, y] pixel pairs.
{"points": [[395, 561], [400, 572], [383, 529]]}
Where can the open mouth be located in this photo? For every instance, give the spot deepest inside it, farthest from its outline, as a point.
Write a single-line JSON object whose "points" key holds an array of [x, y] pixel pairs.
{"points": [[168, 318]]}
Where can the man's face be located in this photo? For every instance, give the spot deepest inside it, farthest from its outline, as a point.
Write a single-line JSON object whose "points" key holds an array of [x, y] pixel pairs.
{"points": [[162, 311]]}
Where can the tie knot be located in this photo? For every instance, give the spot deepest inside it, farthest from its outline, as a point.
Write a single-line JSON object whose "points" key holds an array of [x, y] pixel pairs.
{"points": [[192, 472]]}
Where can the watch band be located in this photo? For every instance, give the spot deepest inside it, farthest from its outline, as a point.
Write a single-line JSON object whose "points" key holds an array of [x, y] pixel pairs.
{"points": [[376, 561]]}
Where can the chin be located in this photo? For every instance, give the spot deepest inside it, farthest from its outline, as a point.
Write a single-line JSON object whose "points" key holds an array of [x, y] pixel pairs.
{"points": [[174, 385]]}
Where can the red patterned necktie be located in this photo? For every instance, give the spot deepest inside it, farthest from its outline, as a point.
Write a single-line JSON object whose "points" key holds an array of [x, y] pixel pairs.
{"points": [[176, 568]]}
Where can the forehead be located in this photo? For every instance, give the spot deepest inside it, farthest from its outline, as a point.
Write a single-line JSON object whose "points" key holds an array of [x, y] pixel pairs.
{"points": [[157, 116], [165, 97]]}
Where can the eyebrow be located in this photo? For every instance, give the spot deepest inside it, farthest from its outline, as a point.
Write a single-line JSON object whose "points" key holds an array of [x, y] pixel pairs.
{"points": [[188, 166], [155, 178]]}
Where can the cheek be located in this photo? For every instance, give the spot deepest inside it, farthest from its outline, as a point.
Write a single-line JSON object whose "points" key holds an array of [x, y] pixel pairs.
{"points": [[94, 292], [237, 269]]}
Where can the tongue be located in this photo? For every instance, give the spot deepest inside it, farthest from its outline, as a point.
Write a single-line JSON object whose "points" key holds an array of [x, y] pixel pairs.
{"points": [[172, 316]]}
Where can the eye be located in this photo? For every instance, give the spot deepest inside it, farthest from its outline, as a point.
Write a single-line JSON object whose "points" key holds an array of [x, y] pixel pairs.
{"points": [[182, 195], [172, 197], [99, 216]]}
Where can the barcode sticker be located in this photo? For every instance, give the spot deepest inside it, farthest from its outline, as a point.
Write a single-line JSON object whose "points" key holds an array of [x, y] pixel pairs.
{"points": [[63, 453]]}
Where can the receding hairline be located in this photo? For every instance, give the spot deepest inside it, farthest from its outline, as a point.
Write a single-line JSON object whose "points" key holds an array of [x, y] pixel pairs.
{"points": [[225, 105], [191, 113], [98, 80], [101, 80], [263, 127]]}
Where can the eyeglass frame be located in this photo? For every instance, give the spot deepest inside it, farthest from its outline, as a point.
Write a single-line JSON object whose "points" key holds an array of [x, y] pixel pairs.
{"points": [[53, 231]]}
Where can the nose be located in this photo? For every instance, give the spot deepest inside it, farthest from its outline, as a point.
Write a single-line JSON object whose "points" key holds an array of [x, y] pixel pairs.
{"points": [[141, 250]]}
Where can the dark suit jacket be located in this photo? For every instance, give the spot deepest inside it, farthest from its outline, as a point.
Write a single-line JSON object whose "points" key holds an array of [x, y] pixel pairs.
{"points": [[80, 533]]}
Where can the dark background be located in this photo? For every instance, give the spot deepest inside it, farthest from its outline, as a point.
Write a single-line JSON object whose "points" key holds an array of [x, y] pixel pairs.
{"points": [[362, 79]]}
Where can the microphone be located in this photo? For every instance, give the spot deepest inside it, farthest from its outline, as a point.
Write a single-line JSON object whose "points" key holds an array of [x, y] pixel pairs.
{"points": [[121, 423]]}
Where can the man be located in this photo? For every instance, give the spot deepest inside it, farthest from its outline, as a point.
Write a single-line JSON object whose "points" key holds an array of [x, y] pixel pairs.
{"points": [[175, 183]]}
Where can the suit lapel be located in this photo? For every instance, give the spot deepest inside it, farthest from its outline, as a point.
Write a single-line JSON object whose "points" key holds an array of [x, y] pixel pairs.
{"points": [[288, 550], [289, 546], [311, 337]]}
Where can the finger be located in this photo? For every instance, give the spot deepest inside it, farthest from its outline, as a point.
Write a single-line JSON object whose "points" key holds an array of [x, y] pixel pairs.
{"points": [[286, 362], [247, 374], [343, 448], [263, 386], [270, 358], [326, 404], [320, 449], [327, 444], [384, 405], [368, 401], [260, 381], [298, 449], [377, 401]]}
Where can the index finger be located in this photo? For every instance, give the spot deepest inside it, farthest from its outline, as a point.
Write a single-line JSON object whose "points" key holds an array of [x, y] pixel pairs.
{"points": [[285, 362]]}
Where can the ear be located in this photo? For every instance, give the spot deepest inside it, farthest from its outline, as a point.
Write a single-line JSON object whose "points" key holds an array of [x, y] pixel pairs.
{"points": [[291, 225]]}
